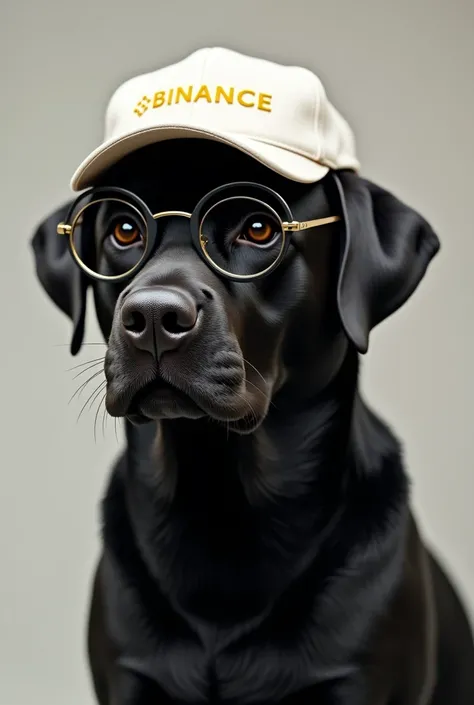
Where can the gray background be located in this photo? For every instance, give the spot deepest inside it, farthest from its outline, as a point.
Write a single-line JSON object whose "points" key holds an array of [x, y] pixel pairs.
{"points": [[401, 72]]}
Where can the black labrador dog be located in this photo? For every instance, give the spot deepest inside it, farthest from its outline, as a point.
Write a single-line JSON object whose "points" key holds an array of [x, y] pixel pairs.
{"points": [[258, 543]]}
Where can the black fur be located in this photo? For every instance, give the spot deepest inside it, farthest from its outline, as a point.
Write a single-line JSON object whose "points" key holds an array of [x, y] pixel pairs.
{"points": [[268, 556]]}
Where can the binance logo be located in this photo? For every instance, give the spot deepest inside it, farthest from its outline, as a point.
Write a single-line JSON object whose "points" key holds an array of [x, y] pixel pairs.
{"points": [[245, 98], [142, 105]]}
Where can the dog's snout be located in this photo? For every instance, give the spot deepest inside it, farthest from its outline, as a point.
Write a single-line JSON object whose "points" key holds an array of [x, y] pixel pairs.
{"points": [[159, 319]]}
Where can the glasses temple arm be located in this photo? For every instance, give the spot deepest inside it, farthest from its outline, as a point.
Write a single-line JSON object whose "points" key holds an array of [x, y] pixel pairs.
{"points": [[296, 225]]}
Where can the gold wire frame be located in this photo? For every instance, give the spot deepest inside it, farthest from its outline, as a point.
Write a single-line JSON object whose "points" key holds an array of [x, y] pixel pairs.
{"points": [[162, 214], [97, 275], [293, 226], [203, 241], [297, 225]]}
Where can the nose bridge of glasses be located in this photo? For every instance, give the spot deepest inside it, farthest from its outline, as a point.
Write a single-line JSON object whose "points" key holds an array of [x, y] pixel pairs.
{"points": [[173, 229], [169, 214]]}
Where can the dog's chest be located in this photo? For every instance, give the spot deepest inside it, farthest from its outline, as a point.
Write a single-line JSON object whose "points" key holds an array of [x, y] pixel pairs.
{"points": [[309, 644], [307, 640], [194, 664]]}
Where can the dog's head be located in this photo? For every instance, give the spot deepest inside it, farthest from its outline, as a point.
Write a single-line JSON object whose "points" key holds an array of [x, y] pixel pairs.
{"points": [[185, 339]]}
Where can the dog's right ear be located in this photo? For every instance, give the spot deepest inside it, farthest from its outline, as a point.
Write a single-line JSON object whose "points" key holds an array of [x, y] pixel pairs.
{"points": [[62, 279], [387, 249]]}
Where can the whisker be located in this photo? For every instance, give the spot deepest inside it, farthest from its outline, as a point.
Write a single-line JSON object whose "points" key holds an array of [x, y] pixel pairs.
{"points": [[105, 416], [254, 368], [94, 364], [66, 345], [83, 364], [247, 381], [252, 410], [92, 402], [96, 416], [84, 384], [115, 429], [96, 392], [266, 396]]}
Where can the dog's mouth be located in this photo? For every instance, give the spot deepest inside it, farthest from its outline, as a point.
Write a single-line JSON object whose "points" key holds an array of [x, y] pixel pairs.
{"points": [[239, 408], [160, 399]]}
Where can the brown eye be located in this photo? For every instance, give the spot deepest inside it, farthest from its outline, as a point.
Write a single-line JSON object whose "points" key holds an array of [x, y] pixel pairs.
{"points": [[125, 233], [260, 230]]}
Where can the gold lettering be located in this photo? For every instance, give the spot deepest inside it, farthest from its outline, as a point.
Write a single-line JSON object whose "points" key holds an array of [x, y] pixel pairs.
{"points": [[241, 100], [203, 93], [246, 98], [228, 97], [264, 102], [180, 93], [158, 99]]}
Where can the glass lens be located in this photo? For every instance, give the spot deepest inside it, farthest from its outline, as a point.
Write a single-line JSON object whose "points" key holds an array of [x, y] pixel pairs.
{"points": [[109, 237], [242, 236]]}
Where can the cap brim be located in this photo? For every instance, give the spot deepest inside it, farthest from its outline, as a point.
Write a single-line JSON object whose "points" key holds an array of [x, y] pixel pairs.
{"points": [[289, 164]]}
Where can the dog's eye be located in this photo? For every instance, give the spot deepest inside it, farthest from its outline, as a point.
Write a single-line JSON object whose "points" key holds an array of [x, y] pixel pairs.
{"points": [[125, 233], [260, 230]]}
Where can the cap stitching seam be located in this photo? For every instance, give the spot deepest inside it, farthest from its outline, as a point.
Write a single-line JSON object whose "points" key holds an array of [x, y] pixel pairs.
{"points": [[203, 69], [317, 112]]}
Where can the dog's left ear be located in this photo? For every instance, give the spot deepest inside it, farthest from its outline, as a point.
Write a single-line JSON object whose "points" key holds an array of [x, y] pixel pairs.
{"points": [[62, 279], [388, 247]]}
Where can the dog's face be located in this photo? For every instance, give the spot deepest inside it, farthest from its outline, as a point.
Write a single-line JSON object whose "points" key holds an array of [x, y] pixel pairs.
{"points": [[185, 341]]}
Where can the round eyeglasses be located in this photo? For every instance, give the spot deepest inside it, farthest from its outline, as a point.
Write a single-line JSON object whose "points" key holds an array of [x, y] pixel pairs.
{"points": [[241, 230]]}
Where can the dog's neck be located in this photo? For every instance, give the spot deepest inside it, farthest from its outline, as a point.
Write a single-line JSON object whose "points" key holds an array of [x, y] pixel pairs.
{"points": [[225, 522]]}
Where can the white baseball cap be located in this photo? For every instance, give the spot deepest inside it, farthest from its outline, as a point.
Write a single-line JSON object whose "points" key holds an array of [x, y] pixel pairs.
{"points": [[280, 115]]}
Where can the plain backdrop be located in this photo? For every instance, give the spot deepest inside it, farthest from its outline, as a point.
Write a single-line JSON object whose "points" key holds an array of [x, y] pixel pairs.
{"points": [[402, 74]]}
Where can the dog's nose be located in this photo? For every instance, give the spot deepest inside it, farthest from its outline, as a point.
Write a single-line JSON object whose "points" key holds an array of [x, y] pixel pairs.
{"points": [[159, 319]]}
